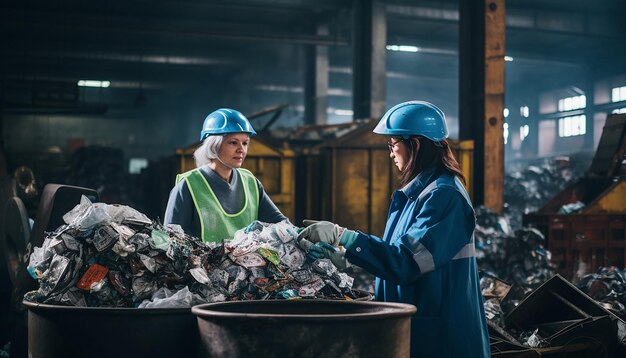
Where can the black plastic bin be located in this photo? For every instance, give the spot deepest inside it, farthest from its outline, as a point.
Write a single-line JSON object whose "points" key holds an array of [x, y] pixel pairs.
{"points": [[60, 331], [304, 328]]}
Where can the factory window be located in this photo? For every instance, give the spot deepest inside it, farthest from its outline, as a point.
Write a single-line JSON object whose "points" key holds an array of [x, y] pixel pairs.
{"points": [[571, 103], [618, 94], [572, 126], [524, 111], [136, 164], [619, 110], [523, 132]]}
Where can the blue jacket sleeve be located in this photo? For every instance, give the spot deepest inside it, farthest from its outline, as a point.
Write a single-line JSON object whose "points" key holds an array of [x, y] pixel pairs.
{"points": [[268, 212], [440, 227], [180, 207]]}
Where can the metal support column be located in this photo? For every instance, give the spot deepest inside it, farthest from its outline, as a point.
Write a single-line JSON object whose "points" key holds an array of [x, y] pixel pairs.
{"points": [[481, 102], [590, 110], [2, 94], [316, 82], [369, 63]]}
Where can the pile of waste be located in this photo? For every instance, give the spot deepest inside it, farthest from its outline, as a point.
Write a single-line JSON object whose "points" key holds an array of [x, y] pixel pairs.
{"points": [[518, 257], [554, 319], [527, 189], [607, 287], [114, 256], [494, 292]]}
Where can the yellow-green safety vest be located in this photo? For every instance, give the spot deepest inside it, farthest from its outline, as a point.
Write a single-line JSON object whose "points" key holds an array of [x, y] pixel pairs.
{"points": [[216, 224]]}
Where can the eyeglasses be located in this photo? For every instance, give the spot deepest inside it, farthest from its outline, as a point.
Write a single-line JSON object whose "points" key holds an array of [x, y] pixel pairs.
{"points": [[392, 145]]}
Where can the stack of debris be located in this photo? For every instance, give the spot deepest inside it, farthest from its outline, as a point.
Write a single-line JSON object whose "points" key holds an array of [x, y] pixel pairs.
{"points": [[114, 256], [532, 313], [518, 257], [555, 319], [528, 189], [608, 287]]}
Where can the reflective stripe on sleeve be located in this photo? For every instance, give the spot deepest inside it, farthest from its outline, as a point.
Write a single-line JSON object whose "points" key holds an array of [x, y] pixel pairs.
{"points": [[424, 259], [426, 262], [467, 251]]}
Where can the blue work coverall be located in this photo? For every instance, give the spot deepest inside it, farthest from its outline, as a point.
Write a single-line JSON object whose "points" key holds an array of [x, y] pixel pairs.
{"points": [[426, 258]]}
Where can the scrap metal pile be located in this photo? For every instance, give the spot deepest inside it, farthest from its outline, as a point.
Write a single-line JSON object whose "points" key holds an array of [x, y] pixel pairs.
{"points": [[518, 257], [516, 254], [525, 315], [114, 256], [608, 287], [527, 190]]}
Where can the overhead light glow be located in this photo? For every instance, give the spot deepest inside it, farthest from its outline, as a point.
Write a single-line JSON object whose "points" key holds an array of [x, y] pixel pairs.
{"points": [[508, 58], [505, 112], [343, 112], [402, 48], [94, 83], [339, 112]]}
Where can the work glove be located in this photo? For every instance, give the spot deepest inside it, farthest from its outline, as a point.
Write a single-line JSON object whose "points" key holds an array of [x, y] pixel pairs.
{"points": [[305, 245], [255, 225], [321, 231], [336, 255]]}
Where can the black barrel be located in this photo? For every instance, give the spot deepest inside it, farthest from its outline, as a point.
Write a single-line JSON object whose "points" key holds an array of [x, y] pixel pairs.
{"points": [[59, 331], [304, 328]]}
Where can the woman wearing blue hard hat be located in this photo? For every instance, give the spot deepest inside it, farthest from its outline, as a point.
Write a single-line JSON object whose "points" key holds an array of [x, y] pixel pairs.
{"points": [[426, 256], [219, 197]]}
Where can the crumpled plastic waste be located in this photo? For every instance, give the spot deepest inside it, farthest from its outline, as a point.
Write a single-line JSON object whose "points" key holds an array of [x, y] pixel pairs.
{"points": [[607, 287], [519, 258], [572, 208], [527, 189], [513, 263], [114, 256], [533, 339]]}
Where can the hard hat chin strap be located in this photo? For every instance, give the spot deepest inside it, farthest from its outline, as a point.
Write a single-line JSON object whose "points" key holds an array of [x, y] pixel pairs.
{"points": [[226, 165]]}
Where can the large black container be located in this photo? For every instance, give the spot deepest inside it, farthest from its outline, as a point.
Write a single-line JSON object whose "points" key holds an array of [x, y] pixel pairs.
{"points": [[304, 328], [59, 331]]}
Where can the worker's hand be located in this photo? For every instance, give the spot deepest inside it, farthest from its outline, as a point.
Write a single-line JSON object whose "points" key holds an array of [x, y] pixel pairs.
{"points": [[336, 255], [321, 231], [305, 245], [255, 225]]}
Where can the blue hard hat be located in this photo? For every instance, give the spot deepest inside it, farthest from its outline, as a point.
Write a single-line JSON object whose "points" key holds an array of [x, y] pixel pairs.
{"points": [[224, 121], [414, 118]]}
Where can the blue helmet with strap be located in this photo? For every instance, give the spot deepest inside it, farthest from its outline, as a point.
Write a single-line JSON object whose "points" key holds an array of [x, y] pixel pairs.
{"points": [[224, 121], [414, 118]]}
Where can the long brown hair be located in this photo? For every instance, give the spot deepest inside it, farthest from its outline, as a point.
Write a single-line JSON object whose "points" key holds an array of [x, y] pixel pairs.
{"points": [[429, 154]]}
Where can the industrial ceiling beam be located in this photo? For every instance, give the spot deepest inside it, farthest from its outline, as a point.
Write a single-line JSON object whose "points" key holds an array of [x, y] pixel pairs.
{"points": [[570, 22], [199, 33]]}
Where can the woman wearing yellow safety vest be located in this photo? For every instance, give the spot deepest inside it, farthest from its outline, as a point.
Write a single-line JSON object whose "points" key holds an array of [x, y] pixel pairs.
{"points": [[426, 256], [219, 197]]}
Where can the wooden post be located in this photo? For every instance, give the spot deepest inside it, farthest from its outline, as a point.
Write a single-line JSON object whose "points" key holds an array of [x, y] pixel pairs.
{"points": [[481, 96], [494, 104]]}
